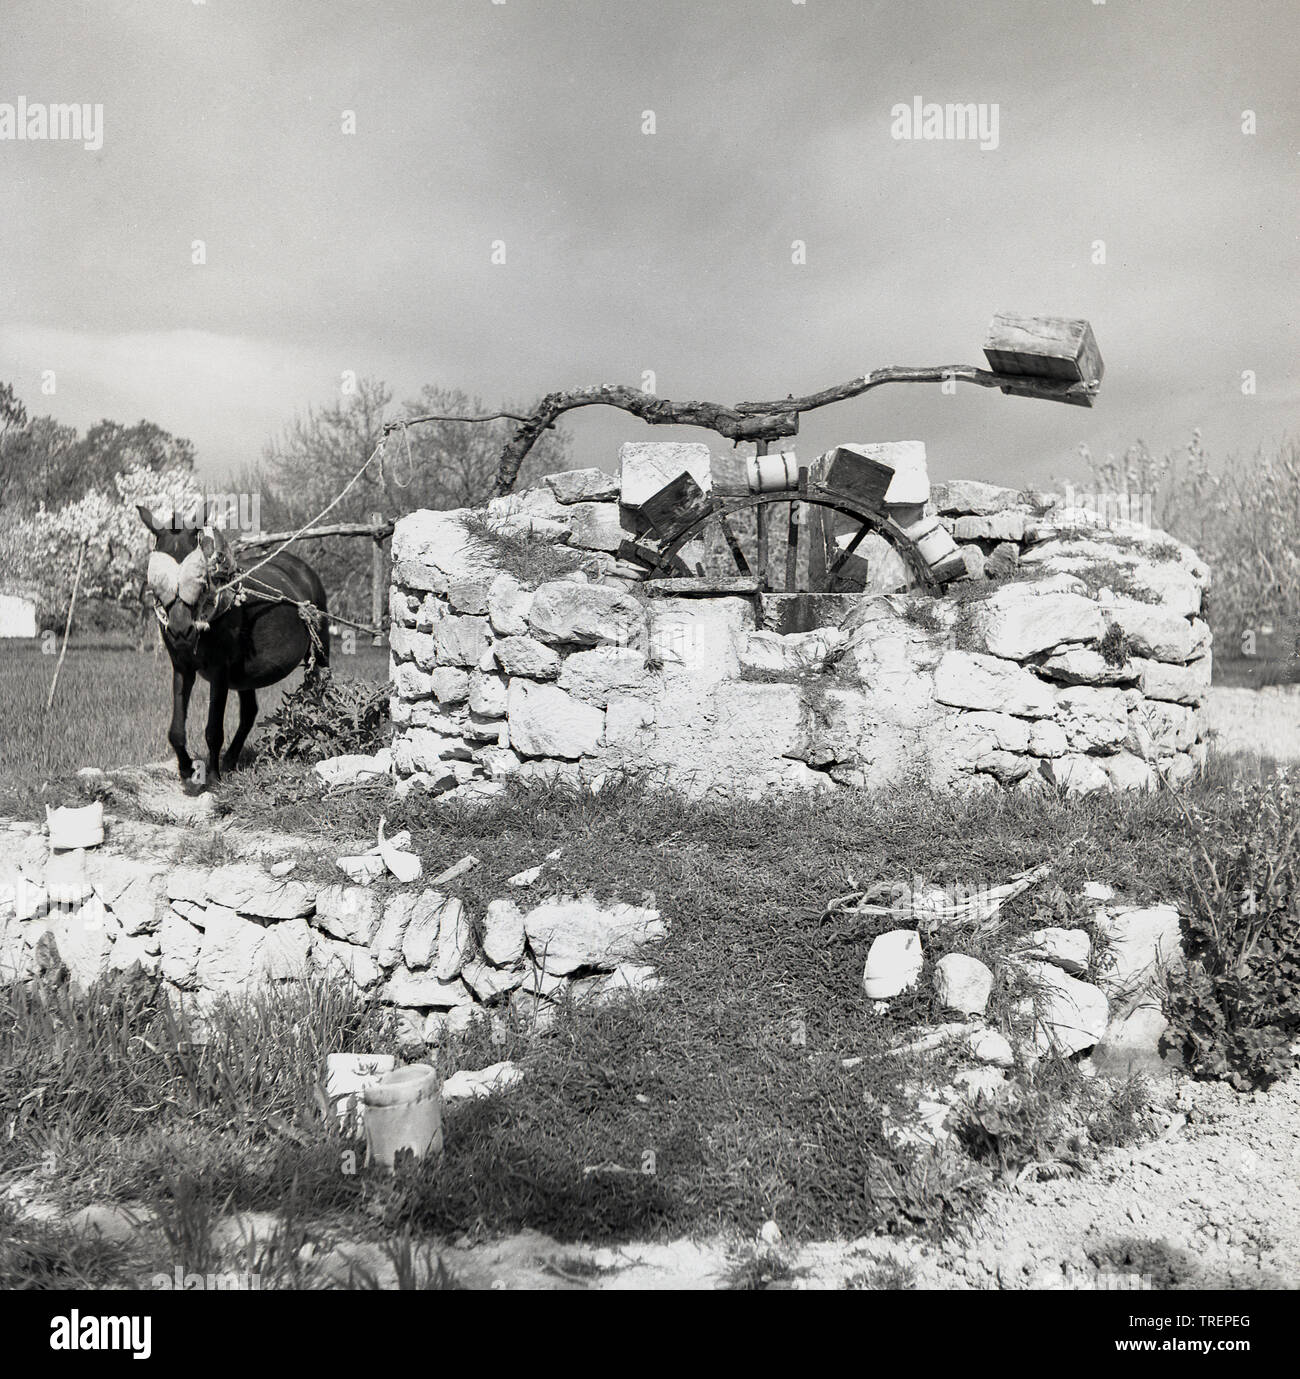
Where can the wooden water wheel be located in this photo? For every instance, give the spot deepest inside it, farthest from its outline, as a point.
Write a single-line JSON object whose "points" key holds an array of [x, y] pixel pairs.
{"points": [[814, 559]]}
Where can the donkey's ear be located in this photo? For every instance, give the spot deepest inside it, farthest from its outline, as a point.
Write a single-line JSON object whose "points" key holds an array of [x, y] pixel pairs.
{"points": [[147, 518]]}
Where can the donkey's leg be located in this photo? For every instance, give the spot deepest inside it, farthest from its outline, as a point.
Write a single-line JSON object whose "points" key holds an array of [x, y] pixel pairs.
{"points": [[182, 684], [216, 730], [247, 713]]}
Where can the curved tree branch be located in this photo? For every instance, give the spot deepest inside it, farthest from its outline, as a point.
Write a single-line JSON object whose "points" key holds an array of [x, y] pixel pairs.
{"points": [[746, 421]]}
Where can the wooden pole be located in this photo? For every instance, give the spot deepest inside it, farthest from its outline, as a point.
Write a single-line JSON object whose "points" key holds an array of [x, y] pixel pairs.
{"points": [[67, 627], [378, 583], [821, 534], [277, 538], [761, 520], [792, 536]]}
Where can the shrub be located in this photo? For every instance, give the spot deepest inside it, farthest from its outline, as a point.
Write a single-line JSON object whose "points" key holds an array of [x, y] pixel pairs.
{"points": [[1115, 646], [1234, 1010], [531, 559], [325, 717]]}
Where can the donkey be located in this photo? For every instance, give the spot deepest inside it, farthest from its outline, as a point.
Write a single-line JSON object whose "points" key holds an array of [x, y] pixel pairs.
{"points": [[246, 643]]}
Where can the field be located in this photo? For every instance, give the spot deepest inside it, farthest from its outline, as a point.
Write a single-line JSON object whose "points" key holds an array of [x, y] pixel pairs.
{"points": [[112, 708], [757, 1084], [757, 1079]]}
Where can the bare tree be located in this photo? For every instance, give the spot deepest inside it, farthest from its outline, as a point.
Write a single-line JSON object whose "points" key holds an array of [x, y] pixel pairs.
{"points": [[437, 465]]}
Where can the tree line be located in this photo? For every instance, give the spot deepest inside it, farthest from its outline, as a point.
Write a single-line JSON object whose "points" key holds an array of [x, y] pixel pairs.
{"points": [[60, 488]]}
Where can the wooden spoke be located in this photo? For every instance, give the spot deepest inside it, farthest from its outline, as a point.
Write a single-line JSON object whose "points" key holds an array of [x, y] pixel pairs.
{"points": [[737, 554], [792, 537], [841, 559], [792, 549], [810, 506]]}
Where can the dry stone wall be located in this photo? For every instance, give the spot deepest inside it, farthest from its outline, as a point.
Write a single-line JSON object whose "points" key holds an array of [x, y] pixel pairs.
{"points": [[208, 931], [1072, 653]]}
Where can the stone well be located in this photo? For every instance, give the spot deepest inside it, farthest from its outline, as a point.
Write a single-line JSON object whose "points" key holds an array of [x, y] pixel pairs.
{"points": [[1071, 652]]}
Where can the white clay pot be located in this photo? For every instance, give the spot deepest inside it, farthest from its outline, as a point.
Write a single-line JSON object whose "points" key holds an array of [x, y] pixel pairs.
{"points": [[403, 1110]]}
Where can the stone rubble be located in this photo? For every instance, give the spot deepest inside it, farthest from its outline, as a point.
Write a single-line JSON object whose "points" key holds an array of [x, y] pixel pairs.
{"points": [[227, 929], [1101, 996]]}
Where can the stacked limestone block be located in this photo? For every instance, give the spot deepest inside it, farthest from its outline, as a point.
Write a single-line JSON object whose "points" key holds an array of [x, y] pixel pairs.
{"points": [[1072, 652], [228, 930], [1106, 618]]}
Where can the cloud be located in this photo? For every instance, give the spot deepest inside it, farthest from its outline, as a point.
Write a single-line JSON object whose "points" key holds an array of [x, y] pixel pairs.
{"points": [[227, 394], [669, 251]]}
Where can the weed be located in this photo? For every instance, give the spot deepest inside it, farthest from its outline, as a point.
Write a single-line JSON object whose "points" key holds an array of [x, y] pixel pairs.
{"points": [[44, 1255], [530, 558], [887, 1276], [1115, 646], [1052, 1115], [761, 1270], [187, 1223], [1098, 575], [416, 1268], [1234, 1009], [921, 612], [928, 1193], [325, 717]]}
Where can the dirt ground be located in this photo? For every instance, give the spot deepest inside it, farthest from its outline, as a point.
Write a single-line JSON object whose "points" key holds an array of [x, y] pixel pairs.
{"points": [[1210, 1203]]}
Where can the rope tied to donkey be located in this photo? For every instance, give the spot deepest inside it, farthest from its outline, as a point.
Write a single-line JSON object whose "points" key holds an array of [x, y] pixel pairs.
{"points": [[311, 615], [242, 576]]}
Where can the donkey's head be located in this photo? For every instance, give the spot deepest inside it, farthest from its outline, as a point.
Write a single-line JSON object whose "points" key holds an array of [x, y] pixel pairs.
{"points": [[179, 567]]}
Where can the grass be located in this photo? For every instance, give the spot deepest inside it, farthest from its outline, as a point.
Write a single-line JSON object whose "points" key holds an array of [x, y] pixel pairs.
{"points": [[112, 708], [531, 559], [47, 1256], [693, 1110], [1110, 574]]}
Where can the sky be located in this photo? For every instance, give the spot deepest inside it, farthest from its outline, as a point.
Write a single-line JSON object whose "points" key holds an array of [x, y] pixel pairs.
{"points": [[328, 252]]}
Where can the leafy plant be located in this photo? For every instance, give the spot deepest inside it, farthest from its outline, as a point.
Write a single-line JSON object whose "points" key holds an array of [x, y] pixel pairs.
{"points": [[1115, 646], [1016, 1126], [326, 717], [1234, 1010]]}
